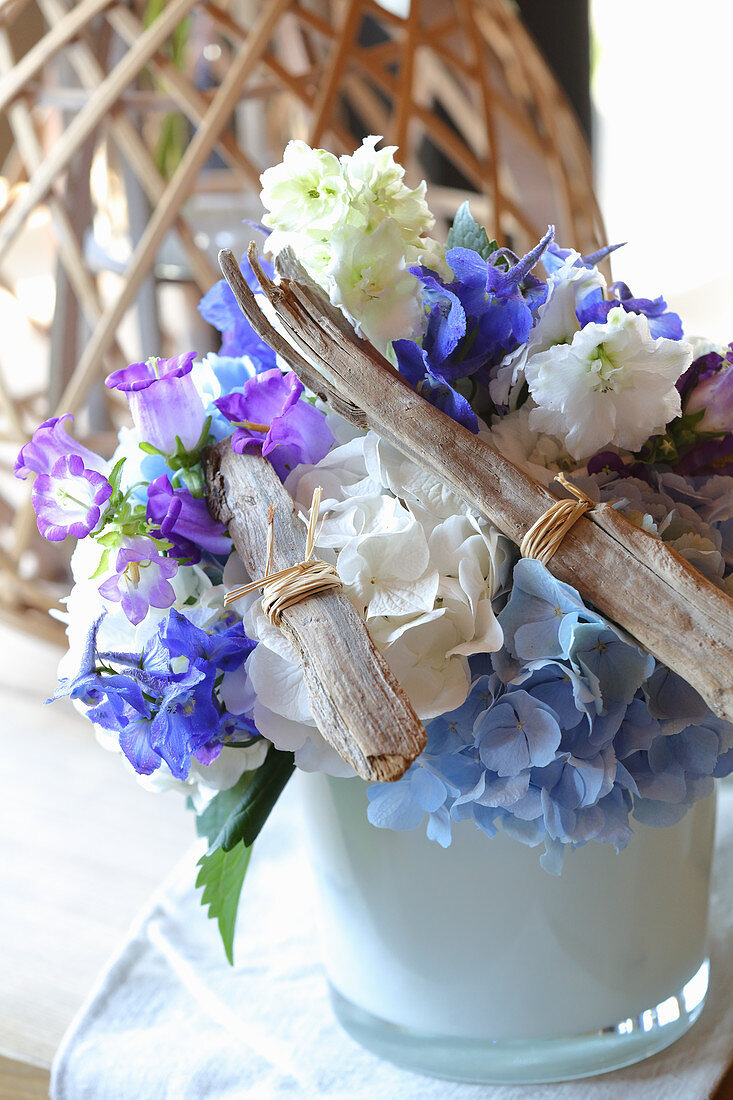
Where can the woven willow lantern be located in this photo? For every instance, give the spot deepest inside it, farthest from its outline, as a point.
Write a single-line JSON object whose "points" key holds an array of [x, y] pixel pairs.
{"points": [[457, 84]]}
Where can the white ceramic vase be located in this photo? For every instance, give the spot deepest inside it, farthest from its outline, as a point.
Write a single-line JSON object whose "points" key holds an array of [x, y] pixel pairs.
{"points": [[472, 963]]}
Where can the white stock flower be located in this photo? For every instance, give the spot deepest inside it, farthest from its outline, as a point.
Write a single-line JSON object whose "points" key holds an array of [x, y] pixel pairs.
{"points": [[369, 280], [612, 384], [306, 192], [378, 182], [557, 323]]}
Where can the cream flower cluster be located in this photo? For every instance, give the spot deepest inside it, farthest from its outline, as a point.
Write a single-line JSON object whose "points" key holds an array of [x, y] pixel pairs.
{"points": [[357, 228], [418, 566]]}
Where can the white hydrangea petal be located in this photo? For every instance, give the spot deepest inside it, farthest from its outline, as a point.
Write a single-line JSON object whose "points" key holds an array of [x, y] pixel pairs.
{"points": [[279, 685], [311, 752]]}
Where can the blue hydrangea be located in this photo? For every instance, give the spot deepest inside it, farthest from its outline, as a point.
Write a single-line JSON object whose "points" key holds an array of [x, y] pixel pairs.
{"points": [[574, 733]]}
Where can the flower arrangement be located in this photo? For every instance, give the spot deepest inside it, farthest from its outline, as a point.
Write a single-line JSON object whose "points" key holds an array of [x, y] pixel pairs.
{"points": [[543, 718]]}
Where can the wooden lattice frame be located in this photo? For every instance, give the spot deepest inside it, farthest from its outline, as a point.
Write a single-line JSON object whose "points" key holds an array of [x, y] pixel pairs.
{"points": [[458, 81]]}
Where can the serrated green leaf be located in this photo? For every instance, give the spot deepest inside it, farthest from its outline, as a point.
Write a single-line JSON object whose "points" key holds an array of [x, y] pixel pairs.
{"points": [[467, 233], [239, 813], [221, 878], [212, 820]]}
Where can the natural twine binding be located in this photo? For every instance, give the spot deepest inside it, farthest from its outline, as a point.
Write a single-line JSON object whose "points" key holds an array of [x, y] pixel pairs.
{"points": [[545, 536], [289, 586]]}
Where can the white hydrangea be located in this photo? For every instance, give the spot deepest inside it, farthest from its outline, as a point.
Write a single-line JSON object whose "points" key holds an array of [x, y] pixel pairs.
{"points": [[418, 566], [540, 455], [356, 227], [613, 384]]}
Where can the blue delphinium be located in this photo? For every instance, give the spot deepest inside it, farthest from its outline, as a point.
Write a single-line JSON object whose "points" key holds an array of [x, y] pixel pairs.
{"points": [[662, 322], [575, 732], [219, 307], [163, 703], [471, 323]]}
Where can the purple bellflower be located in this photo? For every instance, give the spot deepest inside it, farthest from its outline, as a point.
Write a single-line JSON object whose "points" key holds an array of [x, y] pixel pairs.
{"points": [[71, 490], [164, 402], [707, 387], [51, 442], [185, 521], [70, 500], [141, 579], [219, 307], [271, 419]]}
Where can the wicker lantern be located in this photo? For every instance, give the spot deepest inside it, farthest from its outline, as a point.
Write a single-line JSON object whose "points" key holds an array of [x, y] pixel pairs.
{"points": [[457, 84]]}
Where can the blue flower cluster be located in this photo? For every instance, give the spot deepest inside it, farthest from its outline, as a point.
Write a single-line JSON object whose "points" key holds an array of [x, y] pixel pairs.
{"points": [[219, 307], [566, 732], [472, 322], [163, 703]]}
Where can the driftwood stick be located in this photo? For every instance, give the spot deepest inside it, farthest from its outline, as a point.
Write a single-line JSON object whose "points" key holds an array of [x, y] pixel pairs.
{"points": [[355, 699], [633, 578]]}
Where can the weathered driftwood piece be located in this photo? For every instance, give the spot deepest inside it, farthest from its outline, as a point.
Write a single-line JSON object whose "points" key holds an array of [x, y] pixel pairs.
{"points": [[633, 578], [355, 699]]}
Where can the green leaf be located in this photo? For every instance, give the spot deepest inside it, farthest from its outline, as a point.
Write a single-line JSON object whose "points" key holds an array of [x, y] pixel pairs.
{"points": [[221, 877], [239, 813], [103, 565], [116, 476], [467, 233]]}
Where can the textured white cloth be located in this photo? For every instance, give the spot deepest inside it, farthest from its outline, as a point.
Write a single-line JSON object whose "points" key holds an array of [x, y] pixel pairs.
{"points": [[169, 1020]]}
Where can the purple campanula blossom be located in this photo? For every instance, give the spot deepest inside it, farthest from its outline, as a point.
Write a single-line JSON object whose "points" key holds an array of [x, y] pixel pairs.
{"points": [[185, 521], [141, 579], [700, 370], [163, 400], [70, 500], [51, 442], [271, 419]]}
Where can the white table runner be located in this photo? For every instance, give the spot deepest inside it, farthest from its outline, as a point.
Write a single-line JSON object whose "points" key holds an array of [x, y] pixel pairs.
{"points": [[169, 1020]]}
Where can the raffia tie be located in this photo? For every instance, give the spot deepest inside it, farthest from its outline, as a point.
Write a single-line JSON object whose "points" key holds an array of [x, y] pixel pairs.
{"points": [[289, 586], [545, 536]]}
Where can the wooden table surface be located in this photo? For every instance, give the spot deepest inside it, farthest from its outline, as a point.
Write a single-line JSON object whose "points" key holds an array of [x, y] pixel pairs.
{"points": [[82, 845]]}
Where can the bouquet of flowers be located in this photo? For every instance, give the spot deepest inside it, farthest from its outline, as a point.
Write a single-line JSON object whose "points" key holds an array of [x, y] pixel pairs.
{"points": [[542, 717]]}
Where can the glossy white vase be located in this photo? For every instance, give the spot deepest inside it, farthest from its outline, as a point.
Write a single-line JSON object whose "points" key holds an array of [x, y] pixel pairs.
{"points": [[472, 963]]}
